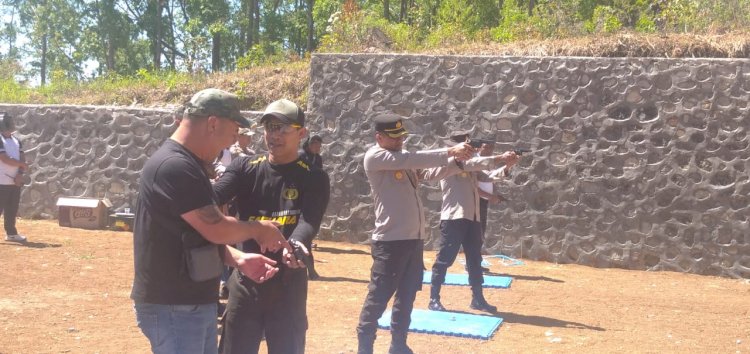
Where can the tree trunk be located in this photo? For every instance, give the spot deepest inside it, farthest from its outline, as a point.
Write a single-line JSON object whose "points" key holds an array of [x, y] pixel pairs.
{"points": [[111, 50], [255, 29], [43, 64], [216, 53], [402, 14], [310, 29], [386, 10], [172, 38], [157, 35], [111, 47], [532, 3]]}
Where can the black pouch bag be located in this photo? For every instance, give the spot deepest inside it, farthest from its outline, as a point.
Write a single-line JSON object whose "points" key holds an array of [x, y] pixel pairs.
{"points": [[203, 259]]}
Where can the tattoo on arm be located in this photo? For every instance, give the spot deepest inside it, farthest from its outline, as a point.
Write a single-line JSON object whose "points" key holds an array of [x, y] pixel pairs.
{"points": [[209, 214]]}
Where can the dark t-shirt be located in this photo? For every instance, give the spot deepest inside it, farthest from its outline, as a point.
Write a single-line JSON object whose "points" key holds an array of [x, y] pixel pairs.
{"points": [[172, 183], [295, 195]]}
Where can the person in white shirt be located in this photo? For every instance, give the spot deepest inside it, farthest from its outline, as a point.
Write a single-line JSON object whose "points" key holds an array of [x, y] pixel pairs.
{"points": [[12, 167], [487, 188], [460, 222]]}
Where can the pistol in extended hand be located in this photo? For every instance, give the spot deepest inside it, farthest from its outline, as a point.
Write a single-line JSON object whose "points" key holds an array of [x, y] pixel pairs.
{"points": [[520, 151]]}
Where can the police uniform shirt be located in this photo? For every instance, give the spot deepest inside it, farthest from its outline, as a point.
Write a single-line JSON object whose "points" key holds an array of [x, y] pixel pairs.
{"points": [[460, 194], [395, 190]]}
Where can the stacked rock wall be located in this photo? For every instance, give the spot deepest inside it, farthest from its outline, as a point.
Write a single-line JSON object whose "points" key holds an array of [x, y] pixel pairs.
{"points": [[86, 151], [636, 163]]}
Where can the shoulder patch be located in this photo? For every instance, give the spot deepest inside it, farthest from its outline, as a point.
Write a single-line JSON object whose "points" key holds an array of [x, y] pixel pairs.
{"points": [[304, 165], [258, 160]]}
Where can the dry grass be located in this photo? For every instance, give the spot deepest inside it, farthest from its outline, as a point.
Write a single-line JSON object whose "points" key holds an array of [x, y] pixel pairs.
{"points": [[261, 85], [256, 87], [624, 44]]}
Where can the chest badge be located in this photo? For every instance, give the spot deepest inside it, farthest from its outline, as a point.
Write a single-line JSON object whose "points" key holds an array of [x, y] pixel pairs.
{"points": [[464, 174], [399, 175], [291, 193]]}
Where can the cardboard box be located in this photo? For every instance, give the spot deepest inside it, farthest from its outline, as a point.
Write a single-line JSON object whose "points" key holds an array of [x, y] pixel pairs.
{"points": [[85, 213], [121, 221]]}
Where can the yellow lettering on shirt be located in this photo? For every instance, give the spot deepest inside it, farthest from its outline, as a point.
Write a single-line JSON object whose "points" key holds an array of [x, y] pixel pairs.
{"points": [[283, 220]]}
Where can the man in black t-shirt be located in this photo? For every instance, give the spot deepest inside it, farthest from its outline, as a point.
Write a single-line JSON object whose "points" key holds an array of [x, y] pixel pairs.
{"points": [[179, 229], [282, 187]]}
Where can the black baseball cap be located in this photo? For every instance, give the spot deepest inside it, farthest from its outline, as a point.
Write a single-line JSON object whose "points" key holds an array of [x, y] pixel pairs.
{"points": [[6, 122]]}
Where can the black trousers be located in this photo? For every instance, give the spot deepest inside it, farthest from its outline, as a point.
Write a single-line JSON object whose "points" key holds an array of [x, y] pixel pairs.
{"points": [[397, 267], [483, 206], [453, 235], [10, 197], [277, 308]]}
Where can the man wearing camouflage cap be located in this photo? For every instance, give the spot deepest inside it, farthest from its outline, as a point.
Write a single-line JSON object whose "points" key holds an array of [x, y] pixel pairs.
{"points": [[180, 234]]}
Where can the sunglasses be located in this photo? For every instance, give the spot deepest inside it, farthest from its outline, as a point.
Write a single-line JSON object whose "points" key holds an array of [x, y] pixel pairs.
{"points": [[280, 127]]}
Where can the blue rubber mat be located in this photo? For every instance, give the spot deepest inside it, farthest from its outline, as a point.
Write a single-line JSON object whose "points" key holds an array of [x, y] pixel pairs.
{"points": [[490, 281], [448, 323]]}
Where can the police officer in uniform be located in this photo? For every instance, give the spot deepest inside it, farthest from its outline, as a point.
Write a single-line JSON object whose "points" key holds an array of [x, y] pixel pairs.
{"points": [[460, 222], [397, 239]]}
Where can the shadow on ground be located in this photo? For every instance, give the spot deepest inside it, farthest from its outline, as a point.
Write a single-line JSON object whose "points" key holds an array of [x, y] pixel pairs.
{"points": [[339, 251], [541, 321], [338, 279], [525, 277], [32, 244]]}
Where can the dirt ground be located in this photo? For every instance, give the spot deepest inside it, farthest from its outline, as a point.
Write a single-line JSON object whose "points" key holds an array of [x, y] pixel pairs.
{"points": [[66, 291]]}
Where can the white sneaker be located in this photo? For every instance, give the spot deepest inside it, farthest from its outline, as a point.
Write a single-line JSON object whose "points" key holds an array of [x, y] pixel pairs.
{"points": [[17, 238]]}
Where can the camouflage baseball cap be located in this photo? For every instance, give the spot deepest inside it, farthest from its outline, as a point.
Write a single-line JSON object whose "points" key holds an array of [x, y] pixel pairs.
{"points": [[215, 102], [285, 111]]}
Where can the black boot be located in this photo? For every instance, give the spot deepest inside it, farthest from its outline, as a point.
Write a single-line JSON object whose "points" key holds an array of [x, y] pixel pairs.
{"points": [[366, 342], [398, 344], [435, 305], [479, 303]]}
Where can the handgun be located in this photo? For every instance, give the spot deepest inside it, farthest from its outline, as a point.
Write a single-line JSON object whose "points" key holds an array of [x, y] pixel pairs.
{"points": [[519, 151], [477, 143], [299, 253]]}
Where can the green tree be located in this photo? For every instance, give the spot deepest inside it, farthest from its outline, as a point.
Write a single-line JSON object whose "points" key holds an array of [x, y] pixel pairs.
{"points": [[54, 34], [470, 15]]}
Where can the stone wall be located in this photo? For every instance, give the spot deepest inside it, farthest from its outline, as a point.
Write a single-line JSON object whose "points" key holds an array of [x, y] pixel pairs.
{"points": [[86, 151], [636, 163]]}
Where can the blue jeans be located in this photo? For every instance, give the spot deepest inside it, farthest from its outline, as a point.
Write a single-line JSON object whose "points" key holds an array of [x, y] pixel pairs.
{"points": [[178, 329]]}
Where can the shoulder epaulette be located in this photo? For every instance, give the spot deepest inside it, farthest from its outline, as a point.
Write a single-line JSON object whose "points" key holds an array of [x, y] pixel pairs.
{"points": [[258, 160], [303, 164]]}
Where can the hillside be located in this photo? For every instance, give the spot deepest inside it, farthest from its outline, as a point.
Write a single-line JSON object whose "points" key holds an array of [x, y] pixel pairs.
{"points": [[260, 85]]}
